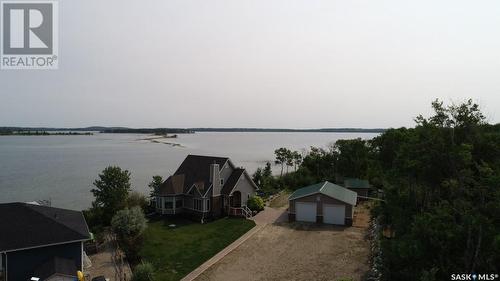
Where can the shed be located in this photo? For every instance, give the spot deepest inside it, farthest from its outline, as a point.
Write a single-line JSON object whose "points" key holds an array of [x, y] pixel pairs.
{"points": [[323, 202], [361, 187]]}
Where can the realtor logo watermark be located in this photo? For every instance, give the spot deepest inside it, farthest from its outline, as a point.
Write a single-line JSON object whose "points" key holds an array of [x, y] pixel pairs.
{"points": [[29, 35]]}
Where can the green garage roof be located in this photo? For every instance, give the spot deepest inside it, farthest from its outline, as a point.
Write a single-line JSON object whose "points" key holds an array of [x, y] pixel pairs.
{"points": [[329, 189]]}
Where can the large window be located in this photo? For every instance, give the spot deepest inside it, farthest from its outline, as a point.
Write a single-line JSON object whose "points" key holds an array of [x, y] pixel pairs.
{"points": [[197, 204], [178, 203], [168, 204]]}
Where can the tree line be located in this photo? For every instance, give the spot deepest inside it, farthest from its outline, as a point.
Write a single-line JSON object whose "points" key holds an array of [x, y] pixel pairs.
{"points": [[440, 185]]}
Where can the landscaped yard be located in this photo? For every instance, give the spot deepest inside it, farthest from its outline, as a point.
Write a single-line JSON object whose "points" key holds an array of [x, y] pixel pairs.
{"points": [[177, 251]]}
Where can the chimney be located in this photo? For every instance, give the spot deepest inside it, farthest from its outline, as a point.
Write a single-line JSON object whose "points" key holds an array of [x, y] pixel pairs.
{"points": [[215, 179]]}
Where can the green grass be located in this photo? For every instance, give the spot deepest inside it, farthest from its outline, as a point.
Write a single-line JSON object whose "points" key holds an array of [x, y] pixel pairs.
{"points": [[281, 200], [175, 252]]}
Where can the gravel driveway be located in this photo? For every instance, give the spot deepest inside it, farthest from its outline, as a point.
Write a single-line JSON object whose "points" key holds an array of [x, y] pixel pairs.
{"points": [[296, 252]]}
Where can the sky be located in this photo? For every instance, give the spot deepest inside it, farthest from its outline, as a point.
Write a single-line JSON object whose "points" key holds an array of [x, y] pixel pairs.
{"points": [[260, 63]]}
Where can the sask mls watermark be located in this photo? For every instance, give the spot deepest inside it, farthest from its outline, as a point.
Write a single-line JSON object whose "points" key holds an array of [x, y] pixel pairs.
{"points": [[29, 35]]}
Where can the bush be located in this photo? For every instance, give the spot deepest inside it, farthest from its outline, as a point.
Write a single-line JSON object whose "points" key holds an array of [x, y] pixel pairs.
{"points": [[143, 272], [137, 199], [255, 203], [129, 223]]}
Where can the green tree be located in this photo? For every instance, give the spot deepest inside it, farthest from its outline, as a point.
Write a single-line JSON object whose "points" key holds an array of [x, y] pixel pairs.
{"points": [[351, 157], [129, 226], [154, 185], [111, 191], [137, 199], [267, 172], [281, 156], [297, 160], [258, 177], [440, 181]]}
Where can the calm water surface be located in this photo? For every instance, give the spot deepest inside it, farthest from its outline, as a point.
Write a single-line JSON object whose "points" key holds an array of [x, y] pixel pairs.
{"points": [[62, 168]]}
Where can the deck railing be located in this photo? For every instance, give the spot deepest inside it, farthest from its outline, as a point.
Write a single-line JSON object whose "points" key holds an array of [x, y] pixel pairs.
{"points": [[243, 211]]}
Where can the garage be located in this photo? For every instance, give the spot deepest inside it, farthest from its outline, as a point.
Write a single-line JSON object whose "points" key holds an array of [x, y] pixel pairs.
{"points": [[306, 211], [334, 214], [323, 202]]}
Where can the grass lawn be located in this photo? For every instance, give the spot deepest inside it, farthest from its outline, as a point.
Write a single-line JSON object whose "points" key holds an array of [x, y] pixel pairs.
{"points": [[281, 200], [175, 252]]}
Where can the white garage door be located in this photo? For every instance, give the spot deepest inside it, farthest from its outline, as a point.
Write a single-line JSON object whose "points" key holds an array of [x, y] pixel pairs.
{"points": [[334, 214], [305, 211]]}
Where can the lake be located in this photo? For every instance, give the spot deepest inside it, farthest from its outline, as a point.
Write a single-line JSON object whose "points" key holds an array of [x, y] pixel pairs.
{"points": [[62, 168]]}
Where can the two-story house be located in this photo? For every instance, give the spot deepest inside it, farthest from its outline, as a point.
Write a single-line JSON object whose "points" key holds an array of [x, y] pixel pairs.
{"points": [[206, 187]]}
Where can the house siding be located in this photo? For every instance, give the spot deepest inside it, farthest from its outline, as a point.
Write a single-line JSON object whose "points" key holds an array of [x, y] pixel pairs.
{"points": [[361, 192], [21, 264], [226, 172], [246, 188]]}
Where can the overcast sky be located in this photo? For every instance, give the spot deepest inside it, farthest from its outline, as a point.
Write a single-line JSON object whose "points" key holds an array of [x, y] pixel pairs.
{"points": [[260, 63]]}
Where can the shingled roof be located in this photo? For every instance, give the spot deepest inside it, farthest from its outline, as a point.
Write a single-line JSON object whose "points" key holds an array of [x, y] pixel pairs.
{"points": [[232, 181], [195, 169], [26, 225]]}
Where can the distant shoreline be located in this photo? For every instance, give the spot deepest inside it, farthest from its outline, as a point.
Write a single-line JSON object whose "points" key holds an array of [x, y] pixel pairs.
{"points": [[164, 131], [43, 133]]}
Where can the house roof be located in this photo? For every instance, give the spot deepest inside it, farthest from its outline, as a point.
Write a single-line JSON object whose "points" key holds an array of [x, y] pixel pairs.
{"points": [[329, 189], [56, 265], [196, 169], [173, 185], [25, 226], [356, 183], [232, 181]]}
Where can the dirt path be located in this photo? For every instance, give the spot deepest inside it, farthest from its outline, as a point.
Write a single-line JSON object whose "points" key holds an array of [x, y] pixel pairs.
{"points": [[104, 263], [287, 252]]}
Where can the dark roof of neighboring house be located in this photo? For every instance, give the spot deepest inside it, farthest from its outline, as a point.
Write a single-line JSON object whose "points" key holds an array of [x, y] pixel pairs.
{"points": [[56, 265], [329, 189], [25, 225], [196, 169], [232, 181], [356, 183]]}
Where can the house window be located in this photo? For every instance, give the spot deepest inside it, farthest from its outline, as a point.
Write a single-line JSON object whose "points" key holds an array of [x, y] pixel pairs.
{"points": [[208, 205], [221, 181], [178, 203], [197, 204], [168, 204]]}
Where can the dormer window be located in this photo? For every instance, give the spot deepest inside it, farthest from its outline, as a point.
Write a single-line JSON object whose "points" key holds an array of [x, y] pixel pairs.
{"points": [[221, 181]]}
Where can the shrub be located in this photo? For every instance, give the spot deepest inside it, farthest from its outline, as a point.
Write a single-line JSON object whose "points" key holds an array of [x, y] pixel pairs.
{"points": [[137, 199], [129, 223], [255, 203], [143, 272]]}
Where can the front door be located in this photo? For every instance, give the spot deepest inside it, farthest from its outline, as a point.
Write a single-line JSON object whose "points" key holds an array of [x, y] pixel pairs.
{"points": [[236, 199]]}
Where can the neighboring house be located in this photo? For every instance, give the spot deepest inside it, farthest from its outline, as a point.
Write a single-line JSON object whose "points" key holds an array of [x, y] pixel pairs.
{"points": [[323, 202], [206, 187], [40, 241], [361, 187]]}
